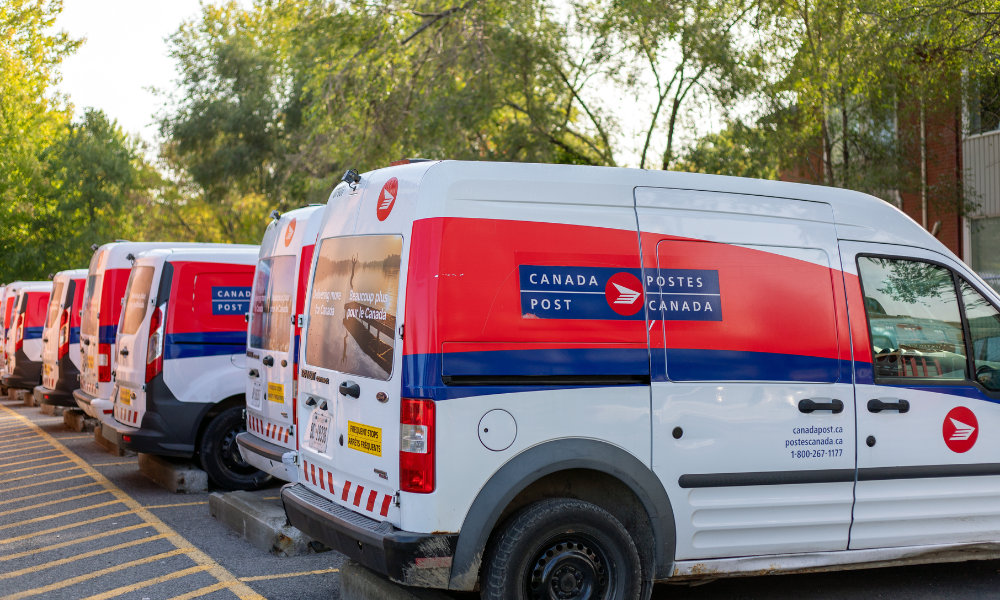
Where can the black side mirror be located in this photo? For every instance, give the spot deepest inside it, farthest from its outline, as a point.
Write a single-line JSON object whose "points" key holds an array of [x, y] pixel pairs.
{"points": [[988, 377]]}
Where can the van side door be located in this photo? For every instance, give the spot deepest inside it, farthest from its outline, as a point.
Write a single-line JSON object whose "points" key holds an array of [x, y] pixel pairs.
{"points": [[752, 399], [927, 353]]}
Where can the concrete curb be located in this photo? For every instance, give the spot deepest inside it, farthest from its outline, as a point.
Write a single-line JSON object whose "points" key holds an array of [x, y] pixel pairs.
{"points": [[179, 477], [76, 419], [261, 523], [26, 397], [361, 583], [109, 445], [55, 411]]}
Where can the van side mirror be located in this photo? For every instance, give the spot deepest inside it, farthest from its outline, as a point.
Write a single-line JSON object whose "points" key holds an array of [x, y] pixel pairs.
{"points": [[988, 377]]}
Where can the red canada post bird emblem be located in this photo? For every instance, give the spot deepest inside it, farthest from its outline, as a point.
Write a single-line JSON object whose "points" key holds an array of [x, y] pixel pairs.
{"points": [[624, 293], [289, 232], [386, 199], [960, 429]]}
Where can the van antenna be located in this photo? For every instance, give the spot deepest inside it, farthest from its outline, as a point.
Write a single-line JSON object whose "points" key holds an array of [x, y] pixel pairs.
{"points": [[275, 214], [351, 178]]}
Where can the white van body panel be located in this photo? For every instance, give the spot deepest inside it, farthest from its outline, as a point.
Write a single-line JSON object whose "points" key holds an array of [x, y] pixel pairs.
{"points": [[50, 334], [32, 347]]}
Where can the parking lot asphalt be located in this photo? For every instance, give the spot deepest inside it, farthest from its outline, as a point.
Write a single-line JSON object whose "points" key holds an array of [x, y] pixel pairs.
{"points": [[78, 523]]}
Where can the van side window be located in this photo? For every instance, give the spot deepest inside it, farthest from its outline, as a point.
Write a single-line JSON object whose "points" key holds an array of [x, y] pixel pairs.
{"points": [[913, 319], [54, 300], [137, 299], [984, 333]]}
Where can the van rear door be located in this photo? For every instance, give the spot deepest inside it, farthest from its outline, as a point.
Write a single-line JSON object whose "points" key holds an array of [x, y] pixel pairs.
{"points": [[90, 323], [139, 309], [50, 336]]}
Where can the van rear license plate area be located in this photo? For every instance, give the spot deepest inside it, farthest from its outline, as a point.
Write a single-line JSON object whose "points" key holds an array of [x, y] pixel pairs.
{"points": [[255, 395], [319, 430]]}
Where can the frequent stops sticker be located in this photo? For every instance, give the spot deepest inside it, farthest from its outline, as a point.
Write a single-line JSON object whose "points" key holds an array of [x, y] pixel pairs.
{"points": [[387, 199], [960, 429], [289, 232], [623, 292]]}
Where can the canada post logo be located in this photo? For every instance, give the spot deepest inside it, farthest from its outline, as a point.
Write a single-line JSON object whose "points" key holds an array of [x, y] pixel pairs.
{"points": [[601, 293], [230, 300]]}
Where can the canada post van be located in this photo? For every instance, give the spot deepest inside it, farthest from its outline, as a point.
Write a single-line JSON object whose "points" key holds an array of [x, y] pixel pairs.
{"points": [[180, 381], [279, 291], [9, 299], [61, 340], [107, 277], [567, 381], [24, 344]]}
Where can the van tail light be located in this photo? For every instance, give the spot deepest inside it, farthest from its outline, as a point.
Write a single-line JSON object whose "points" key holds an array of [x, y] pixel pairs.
{"points": [[154, 348], [416, 446], [104, 362], [64, 333], [19, 333]]}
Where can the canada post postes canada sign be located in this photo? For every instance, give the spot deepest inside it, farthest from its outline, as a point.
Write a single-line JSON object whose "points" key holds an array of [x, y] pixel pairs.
{"points": [[603, 293], [230, 300]]}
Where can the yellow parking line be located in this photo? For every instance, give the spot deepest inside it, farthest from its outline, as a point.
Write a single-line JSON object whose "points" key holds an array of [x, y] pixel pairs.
{"points": [[39, 475], [200, 592], [283, 575], [76, 487], [92, 553], [89, 538], [23, 447], [117, 463], [24, 462], [176, 504], [80, 578], [65, 527], [65, 462], [57, 515], [15, 433], [240, 589], [21, 487], [142, 584], [51, 502]]}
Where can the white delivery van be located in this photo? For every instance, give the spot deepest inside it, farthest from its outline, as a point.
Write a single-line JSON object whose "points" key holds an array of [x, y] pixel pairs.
{"points": [[8, 316], [279, 288], [567, 381], [181, 358], [107, 278], [24, 344], [61, 340]]}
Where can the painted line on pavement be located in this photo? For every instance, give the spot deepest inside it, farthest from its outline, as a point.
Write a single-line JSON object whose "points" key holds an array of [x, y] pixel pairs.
{"points": [[89, 538], [284, 575], [125, 589], [75, 487], [91, 554]]}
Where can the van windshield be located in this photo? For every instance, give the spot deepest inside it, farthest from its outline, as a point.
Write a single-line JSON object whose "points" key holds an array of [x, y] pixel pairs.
{"points": [[352, 306], [92, 297], [53, 315], [273, 291], [136, 299]]}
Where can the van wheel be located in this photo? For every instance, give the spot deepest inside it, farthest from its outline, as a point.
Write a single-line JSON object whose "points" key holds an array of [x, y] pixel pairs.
{"points": [[220, 455], [563, 549]]}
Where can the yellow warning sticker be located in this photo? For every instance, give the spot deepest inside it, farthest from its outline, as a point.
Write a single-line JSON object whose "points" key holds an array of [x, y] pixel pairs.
{"points": [[276, 392], [364, 438]]}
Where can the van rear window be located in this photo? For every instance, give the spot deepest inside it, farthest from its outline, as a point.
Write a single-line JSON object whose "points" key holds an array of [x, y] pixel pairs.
{"points": [[92, 297], [273, 291], [352, 307], [136, 299], [53, 315]]}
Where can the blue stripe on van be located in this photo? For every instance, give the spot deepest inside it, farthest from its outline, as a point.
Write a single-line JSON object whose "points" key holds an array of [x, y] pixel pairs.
{"points": [[74, 335], [106, 334], [734, 365], [32, 333], [193, 345]]}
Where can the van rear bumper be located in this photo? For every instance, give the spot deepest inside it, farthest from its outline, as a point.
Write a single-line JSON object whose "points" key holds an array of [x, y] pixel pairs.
{"points": [[419, 559], [150, 438], [44, 395], [270, 458]]}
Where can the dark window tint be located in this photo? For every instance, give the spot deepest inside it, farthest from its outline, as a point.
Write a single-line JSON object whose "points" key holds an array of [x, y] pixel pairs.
{"points": [[352, 306], [52, 318], [273, 296], [914, 319], [984, 332], [92, 297], [136, 299]]}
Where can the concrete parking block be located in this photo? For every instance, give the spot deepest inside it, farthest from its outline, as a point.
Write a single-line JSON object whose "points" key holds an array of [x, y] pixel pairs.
{"points": [[75, 419], [55, 411], [12, 395], [261, 523], [26, 397], [180, 477], [111, 445], [361, 583]]}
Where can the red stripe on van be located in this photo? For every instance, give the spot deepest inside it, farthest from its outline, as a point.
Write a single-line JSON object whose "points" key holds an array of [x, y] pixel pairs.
{"points": [[286, 436], [385, 505], [329, 480], [357, 495], [371, 500], [347, 490], [268, 432], [313, 471], [305, 469], [322, 484]]}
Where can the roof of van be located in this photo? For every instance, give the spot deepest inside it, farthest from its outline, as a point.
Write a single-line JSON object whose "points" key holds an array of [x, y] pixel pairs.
{"points": [[468, 187], [71, 274], [307, 220], [233, 253], [118, 251]]}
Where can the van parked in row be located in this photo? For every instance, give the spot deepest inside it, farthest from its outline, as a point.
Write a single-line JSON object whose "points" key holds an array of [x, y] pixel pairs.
{"points": [[23, 345], [8, 315], [566, 381], [279, 289], [61, 340], [181, 358]]}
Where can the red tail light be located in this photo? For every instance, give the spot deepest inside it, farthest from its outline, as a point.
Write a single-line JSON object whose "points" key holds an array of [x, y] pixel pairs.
{"points": [[19, 333], [64, 333], [416, 446], [104, 362], [154, 347]]}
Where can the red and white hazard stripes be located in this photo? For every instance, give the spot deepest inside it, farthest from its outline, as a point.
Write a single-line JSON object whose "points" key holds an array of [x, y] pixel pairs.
{"points": [[371, 501], [126, 415], [269, 430]]}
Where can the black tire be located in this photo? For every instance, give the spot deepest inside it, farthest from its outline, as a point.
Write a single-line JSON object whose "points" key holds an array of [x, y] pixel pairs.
{"points": [[562, 549], [220, 454]]}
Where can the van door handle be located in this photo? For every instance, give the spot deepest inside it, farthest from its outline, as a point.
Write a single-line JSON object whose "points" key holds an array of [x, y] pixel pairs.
{"points": [[46, 340], [349, 388], [123, 352], [86, 342], [807, 406], [253, 373], [268, 361], [877, 405]]}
